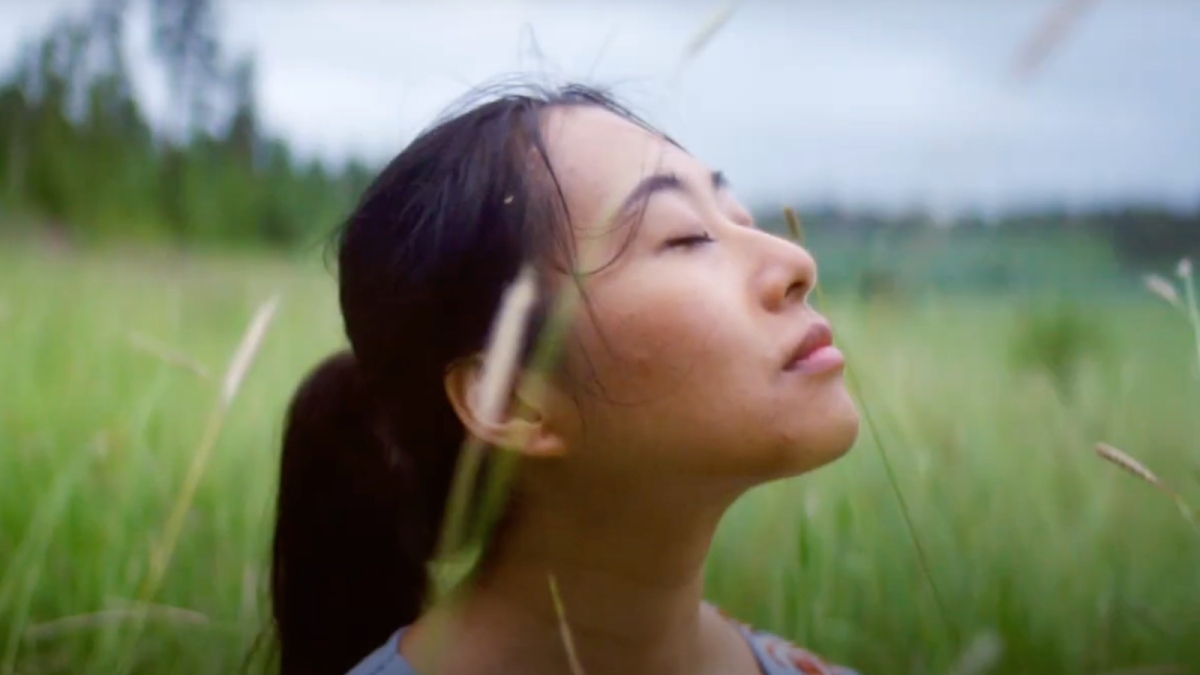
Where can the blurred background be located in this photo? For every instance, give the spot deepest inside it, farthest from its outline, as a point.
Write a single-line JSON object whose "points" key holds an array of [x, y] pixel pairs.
{"points": [[1002, 197]]}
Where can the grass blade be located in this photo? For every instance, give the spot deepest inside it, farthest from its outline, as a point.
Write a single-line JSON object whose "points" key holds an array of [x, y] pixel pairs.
{"points": [[500, 363], [168, 355], [564, 628], [105, 617], [239, 366], [797, 233], [16, 589], [1193, 310]]}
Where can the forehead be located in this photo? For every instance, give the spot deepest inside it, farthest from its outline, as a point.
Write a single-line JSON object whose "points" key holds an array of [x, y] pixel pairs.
{"points": [[598, 157]]}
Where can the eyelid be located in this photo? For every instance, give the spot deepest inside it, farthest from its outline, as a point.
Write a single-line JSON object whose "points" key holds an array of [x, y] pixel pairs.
{"points": [[737, 212], [746, 220], [688, 240], [738, 215]]}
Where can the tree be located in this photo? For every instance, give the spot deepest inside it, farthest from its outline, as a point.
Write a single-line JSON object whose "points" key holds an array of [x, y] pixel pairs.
{"points": [[77, 149], [185, 37], [242, 135]]}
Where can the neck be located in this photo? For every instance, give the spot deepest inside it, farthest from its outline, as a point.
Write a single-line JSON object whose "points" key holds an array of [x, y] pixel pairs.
{"points": [[629, 572]]}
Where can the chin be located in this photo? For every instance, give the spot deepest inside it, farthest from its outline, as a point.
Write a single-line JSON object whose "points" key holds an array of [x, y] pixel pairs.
{"points": [[838, 438], [825, 437]]}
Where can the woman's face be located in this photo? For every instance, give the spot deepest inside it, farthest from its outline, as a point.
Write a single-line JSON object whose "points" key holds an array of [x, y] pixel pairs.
{"points": [[698, 353]]}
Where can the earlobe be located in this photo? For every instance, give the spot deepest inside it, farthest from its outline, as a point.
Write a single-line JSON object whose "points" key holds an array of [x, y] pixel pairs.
{"points": [[547, 445], [531, 438]]}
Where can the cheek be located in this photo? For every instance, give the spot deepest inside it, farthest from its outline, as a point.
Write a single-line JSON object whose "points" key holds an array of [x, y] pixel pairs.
{"points": [[678, 375], [659, 341], [669, 373]]}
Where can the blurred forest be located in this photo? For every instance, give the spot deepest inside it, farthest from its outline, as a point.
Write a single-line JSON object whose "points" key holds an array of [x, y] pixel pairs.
{"points": [[79, 156]]}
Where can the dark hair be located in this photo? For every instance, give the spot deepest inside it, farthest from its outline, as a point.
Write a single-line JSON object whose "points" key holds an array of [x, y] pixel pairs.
{"points": [[371, 440]]}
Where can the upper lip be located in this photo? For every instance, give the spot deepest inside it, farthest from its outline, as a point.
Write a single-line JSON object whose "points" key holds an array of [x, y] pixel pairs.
{"points": [[817, 336]]}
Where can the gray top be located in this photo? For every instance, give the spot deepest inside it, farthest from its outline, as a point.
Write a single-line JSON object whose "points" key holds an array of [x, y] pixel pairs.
{"points": [[776, 656]]}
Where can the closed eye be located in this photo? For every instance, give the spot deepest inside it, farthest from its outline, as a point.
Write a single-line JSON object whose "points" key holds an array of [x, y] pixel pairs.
{"points": [[689, 241]]}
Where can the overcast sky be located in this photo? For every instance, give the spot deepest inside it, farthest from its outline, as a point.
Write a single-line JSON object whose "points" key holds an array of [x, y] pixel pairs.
{"points": [[893, 102]]}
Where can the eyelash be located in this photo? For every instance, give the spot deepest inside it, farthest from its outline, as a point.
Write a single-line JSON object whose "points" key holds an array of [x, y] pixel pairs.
{"points": [[690, 241]]}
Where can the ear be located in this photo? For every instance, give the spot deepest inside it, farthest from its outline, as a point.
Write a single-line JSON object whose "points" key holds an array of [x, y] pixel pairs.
{"points": [[523, 426]]}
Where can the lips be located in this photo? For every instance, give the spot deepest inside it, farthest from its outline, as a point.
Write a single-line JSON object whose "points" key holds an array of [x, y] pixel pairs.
{"points": [[815, 351]]}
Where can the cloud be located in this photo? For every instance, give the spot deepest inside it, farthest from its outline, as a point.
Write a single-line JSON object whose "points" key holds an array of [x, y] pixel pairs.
{"points": [[876, 102]]}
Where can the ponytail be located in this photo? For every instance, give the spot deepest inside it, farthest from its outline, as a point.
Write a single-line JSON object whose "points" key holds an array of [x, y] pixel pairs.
{"points": [[349, 553]]}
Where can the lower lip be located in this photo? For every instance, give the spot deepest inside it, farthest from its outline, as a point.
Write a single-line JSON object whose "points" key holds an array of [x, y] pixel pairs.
{"points": [[822, 360]]}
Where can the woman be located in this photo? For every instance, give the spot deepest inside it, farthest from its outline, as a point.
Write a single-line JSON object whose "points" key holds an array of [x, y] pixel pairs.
{"points": [[692, 370]]}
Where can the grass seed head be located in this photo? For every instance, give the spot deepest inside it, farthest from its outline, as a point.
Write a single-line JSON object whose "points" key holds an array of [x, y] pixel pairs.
{"points": [[508, 333], [1136, 468], [1128, 463], [981, 656], [710, 28], [239, 365], [1062, 20], [1184, 270], [1163, 289], [793, 224]]}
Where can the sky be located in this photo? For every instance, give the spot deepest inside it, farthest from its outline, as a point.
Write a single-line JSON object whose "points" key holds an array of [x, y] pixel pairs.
{"points": [[887, 103]]}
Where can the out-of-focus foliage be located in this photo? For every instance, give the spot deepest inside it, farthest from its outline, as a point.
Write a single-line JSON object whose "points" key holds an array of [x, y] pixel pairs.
{"points": [[78, 152]]}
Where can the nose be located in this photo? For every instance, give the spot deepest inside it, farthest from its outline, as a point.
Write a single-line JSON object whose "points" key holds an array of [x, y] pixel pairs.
{"points": [[787, 274]]}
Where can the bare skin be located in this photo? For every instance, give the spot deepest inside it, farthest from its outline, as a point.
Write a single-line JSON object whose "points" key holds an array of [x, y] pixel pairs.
{"points": [[682, 391]]}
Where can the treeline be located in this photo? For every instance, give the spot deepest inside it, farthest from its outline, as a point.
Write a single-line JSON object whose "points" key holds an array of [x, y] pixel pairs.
{"points": [[1139, 236], [78, 152]]}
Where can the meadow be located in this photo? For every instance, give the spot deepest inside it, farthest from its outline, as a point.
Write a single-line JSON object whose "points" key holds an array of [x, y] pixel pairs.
{"points": [[1031, 555]]}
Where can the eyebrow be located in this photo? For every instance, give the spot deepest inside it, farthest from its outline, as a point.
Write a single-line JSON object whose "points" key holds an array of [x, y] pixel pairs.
{"points": [[661, 182]]}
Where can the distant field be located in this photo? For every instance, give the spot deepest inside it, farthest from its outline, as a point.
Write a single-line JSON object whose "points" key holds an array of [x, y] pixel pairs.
{"points": [[1074, 566]]}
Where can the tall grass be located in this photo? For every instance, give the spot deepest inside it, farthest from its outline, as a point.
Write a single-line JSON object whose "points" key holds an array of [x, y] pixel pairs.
{"points": [[1041, 554]]}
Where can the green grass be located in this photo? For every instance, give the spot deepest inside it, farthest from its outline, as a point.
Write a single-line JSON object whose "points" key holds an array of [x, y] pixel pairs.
{"points": [[1075, 566]]}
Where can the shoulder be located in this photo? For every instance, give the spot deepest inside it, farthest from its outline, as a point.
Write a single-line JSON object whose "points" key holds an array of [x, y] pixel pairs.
{"points": [[385, 660], [776, 655], [779, 656]]}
